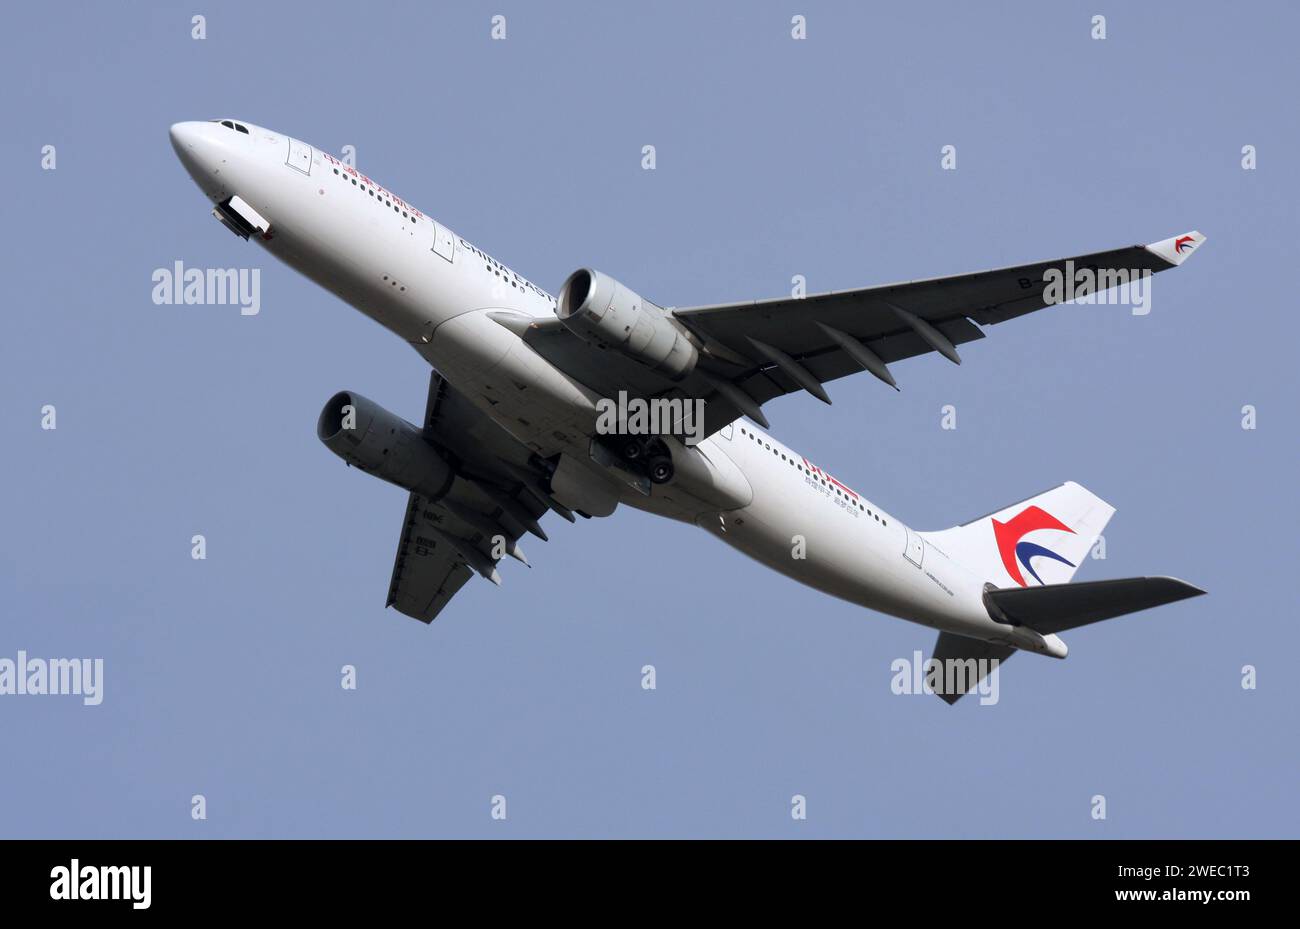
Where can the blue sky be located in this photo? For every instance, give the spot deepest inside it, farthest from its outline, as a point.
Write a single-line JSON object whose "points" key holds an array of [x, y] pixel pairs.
{"points": [[774, 158]]}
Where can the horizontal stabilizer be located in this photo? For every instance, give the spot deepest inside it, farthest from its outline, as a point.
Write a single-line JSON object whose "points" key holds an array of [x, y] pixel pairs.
{"points": [[965, 662], [1057, 607]]}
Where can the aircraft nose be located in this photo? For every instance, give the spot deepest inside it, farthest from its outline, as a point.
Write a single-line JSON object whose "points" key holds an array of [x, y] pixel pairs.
{"points": [[185, 138], [202, 154]]}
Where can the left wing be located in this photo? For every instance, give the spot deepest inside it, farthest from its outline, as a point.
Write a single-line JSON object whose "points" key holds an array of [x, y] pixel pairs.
{"points": [[754, 351], [788, 344]]}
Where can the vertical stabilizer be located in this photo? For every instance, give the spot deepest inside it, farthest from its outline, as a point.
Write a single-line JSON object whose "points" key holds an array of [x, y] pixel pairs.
{"points": [[1038, 541]]}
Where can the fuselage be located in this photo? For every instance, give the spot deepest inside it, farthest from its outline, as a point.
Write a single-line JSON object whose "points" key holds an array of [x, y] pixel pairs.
{"points": [[435, 290]]}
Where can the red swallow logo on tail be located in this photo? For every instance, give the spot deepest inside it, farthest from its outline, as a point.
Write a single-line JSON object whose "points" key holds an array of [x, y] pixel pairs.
{"points": [[1014, 552]]}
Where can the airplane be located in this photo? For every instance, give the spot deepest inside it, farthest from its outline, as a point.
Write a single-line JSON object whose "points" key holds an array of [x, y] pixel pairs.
{"points": [[522, 380]]}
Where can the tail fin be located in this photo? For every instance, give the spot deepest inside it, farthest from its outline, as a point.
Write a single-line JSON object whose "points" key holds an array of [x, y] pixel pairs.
{"points": [[1038, 541]]}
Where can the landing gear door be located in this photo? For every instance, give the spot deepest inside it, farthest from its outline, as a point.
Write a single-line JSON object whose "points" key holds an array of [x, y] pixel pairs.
{"points": [[915, 550], [299, 156], [442, 243]]}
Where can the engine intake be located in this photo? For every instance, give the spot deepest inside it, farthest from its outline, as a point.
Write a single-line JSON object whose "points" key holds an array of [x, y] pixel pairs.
{"points": [[366, 435], [600, 310]]}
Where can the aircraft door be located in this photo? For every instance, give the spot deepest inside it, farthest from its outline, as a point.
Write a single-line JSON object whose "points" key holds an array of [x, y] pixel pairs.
{"points": [[915, 548], [299, 156], [442, 243]]}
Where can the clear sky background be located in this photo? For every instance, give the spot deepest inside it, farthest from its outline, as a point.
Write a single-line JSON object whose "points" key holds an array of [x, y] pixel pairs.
{"points": [[775, 157]]}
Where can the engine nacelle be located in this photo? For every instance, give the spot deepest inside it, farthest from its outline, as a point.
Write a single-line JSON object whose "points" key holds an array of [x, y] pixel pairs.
{"points": [[600, 310], [366, 435]]}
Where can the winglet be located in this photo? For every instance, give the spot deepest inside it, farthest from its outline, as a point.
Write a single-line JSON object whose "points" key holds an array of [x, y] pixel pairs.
{"points": [[1176, 250]]}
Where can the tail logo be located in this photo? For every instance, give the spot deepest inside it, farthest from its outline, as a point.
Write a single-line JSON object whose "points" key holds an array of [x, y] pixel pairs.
{"points": [[1015, 552], [1183, 242]]}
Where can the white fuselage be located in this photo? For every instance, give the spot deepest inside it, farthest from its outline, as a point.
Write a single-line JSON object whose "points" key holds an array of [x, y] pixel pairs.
{"points": [[435, 290]]}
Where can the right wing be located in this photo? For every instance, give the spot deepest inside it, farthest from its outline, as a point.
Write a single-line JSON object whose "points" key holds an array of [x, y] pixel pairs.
{"points": [[446, 542], [428, 570]]}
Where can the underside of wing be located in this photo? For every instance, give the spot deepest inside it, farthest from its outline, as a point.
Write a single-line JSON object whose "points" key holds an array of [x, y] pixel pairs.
{"points": [[788, 344], [738, 356], [428, 571], [492, 502]]}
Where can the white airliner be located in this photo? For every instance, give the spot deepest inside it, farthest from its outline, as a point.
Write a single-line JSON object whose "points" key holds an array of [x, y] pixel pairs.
{"points": [[512, 426]]}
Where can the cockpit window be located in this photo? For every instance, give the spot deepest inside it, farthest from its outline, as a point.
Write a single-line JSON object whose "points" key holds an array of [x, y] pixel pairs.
{"points": [[241, 128], [228, 124]]}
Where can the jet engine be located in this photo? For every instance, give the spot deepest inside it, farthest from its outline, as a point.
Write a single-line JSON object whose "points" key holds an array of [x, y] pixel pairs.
{"points": [[366, 435], [600, 310]]}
